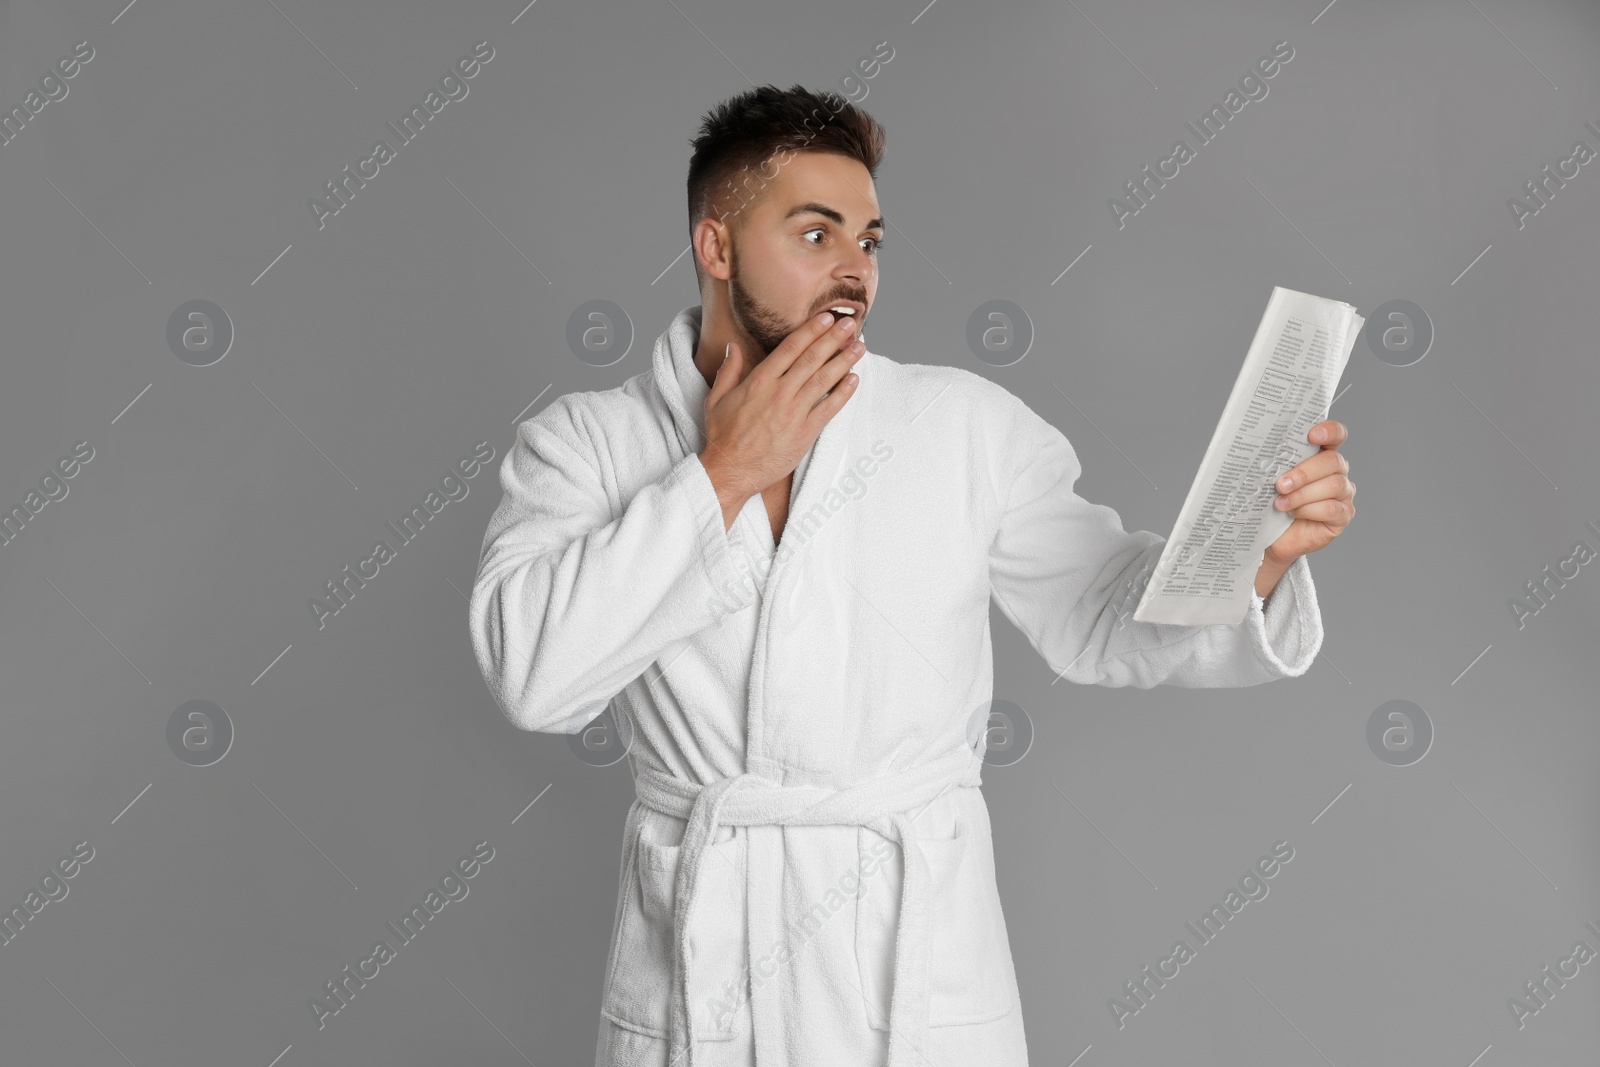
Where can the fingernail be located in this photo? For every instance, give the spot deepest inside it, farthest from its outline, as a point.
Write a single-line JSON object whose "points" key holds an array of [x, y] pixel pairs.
{"points": [[827, 317]]}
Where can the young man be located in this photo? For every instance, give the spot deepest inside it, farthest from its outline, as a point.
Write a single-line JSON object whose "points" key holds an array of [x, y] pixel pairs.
{"points": [[779, 563]]}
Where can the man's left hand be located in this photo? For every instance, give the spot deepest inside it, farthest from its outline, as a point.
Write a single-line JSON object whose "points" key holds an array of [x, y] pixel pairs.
{"points": [[1319, 497]]}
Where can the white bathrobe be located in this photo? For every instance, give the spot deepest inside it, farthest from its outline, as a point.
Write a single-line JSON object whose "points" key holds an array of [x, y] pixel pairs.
{"points": [[807, 875]]}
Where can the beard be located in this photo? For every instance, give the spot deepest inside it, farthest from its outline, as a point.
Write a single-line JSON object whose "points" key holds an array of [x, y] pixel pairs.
{"points": [[760, 322]]}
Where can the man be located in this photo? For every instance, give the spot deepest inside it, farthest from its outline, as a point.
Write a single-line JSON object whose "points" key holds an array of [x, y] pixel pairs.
{"points": [[775, 550]]}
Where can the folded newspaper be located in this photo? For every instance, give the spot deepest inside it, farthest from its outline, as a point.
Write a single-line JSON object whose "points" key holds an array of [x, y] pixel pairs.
{"points": [[1207, 569]]}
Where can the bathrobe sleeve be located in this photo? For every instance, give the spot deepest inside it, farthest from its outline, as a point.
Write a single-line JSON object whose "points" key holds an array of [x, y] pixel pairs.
{"points": [[573, 599], [1067, 574]]}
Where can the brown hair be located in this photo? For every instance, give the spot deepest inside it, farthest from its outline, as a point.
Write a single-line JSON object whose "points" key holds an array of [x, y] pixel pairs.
{"points": [[733, 153]]}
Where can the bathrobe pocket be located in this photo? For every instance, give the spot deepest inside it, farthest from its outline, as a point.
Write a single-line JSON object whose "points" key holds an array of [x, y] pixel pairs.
{"points": [[638, 993], [967, 954]]}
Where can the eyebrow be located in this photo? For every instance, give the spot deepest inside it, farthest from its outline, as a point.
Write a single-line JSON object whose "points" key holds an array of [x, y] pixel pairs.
{"points": [[814, 208]]}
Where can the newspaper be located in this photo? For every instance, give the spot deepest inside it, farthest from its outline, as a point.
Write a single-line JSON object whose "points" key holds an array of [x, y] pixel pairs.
{"points": [[1207, 569]]}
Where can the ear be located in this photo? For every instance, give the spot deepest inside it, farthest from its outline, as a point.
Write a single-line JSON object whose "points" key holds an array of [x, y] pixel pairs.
{"points": [[711, 248]]}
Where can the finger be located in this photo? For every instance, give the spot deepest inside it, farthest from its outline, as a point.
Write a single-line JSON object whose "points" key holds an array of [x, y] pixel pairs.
{"points": [[817, 353], [1310, 469], [797, 344], [1333, 487], [829, 374], [829, 406], [1334, 512], [727, 375], [1329, 433]]}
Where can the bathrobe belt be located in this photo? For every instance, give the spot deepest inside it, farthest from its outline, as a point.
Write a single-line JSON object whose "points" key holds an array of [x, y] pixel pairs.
{"points": [[887, 804]]}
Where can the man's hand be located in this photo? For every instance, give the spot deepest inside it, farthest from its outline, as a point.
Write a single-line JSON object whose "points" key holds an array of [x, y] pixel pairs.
{"points": [[1318, 493], [760, 422]]}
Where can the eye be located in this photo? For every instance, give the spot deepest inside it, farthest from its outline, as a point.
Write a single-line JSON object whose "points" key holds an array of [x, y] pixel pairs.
{"points": [[877, 242]]}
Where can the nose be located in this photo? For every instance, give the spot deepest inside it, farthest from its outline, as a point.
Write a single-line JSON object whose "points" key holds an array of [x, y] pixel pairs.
{"points": [[859, 265], [853, 286]]}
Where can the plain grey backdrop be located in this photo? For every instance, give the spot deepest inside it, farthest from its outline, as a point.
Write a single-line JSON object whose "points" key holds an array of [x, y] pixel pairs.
{"points": [[247, 848]]}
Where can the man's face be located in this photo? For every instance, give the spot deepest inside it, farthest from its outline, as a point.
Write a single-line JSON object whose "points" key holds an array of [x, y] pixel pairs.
{"points": [[809, 241]]}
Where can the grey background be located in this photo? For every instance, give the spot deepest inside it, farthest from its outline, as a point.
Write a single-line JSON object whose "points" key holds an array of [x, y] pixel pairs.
{"points": [[431, 314]]}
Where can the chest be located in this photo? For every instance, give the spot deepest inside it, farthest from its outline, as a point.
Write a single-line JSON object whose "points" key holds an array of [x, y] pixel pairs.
{"points": [[776, 498]]}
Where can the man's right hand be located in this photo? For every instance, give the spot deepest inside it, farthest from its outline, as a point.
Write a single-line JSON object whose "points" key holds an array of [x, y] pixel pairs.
{"points": [[759, 423]]}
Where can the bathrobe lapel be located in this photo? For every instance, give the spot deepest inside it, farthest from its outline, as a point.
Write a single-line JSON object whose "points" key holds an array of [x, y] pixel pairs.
{"points": [[685, 390]]}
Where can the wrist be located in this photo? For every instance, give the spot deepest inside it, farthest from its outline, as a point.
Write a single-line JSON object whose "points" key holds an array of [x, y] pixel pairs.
{"points": [[1269, 574], [732, 490], [1271, 559]]}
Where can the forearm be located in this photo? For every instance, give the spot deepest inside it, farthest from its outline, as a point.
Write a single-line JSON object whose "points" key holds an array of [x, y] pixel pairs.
{"points": [[1268, 574]]}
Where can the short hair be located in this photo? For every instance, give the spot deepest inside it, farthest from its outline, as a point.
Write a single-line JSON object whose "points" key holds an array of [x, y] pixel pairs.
{"points": [[738, 136]]}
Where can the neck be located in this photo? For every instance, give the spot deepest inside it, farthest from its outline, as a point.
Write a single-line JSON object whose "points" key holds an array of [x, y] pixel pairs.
{"points": [[716, 330]]}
